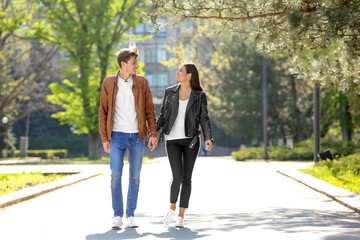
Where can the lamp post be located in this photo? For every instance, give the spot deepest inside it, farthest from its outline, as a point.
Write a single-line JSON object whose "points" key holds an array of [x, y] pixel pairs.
{"points": [[316, 121], [265, 109]]}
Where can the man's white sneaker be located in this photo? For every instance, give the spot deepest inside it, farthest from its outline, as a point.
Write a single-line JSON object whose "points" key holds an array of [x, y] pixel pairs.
{"points": [[132, 223], [117, 223], [167, 219], [179, 222]]}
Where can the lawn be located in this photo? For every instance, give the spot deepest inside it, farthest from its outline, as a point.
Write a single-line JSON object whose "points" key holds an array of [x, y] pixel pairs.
{"points": [[16, 181], [328, 171]]}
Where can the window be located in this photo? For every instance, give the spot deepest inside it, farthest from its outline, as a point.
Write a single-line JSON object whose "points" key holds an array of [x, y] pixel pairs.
{"points": [[139, 29], [161, 54], [158, 80], [150, 54]]}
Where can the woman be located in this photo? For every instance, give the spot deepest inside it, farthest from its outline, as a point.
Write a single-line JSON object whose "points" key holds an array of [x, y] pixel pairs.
{"points": [[183, 111]]}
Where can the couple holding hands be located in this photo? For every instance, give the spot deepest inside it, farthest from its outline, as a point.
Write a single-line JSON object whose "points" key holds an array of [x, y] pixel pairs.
{"points": [[127, 112]]}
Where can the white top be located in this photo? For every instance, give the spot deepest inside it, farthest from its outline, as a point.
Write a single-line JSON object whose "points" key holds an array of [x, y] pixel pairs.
{"points": [[178, 129], [125, 118]]}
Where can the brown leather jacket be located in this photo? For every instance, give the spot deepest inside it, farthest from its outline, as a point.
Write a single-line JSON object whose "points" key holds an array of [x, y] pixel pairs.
{"points": [[144, 106]]}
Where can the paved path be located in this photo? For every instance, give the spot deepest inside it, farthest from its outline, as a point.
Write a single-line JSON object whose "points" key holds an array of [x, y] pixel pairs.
{"points": [[230, 200]]}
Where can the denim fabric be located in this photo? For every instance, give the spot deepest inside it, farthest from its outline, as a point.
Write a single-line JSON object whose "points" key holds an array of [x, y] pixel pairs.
{"points": [[120, 142]]}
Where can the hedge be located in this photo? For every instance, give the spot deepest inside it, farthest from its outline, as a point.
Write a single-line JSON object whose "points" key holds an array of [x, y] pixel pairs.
{"points": [[302, 151], [45, 154]]}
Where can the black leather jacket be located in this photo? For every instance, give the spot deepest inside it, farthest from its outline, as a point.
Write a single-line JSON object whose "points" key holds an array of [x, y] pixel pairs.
{"points": [[196, 114]]}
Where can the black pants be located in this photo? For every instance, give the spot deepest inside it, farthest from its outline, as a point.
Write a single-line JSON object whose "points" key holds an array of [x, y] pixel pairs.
{"points": [[182, 160]]}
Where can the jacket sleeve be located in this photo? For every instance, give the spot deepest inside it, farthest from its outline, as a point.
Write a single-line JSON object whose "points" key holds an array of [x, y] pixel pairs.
{"points": [[150, 111], [103, 113], [204, 118], [160, 121]]}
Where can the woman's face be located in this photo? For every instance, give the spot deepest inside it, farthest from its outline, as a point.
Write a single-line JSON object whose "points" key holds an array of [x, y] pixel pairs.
{"points": [[181, 75]]}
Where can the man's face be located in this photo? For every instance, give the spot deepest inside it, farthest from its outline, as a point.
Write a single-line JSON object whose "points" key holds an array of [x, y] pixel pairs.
{"points": [[131, 66]]}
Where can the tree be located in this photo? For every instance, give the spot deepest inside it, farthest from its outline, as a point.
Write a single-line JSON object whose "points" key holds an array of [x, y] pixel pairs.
{"points": [[25, 66], [231, 72], [335, 108], [321, 36], [88, 33], [237, 96]]}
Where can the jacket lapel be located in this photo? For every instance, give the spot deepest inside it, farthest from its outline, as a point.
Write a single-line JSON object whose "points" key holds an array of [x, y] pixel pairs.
{"points": [[193, 98]]}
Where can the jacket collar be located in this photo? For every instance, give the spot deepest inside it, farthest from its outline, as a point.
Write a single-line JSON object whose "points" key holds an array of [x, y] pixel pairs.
{"points": [[176, 88], [136, 82]]}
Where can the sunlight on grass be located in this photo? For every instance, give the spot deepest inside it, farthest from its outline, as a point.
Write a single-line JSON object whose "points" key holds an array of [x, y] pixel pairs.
{"points": [[16, 181], [102, 159], [345, 180]]}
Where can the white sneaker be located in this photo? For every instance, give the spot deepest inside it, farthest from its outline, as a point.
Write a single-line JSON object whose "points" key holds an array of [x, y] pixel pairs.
{"points": [[179, 222], [132, 223], [117, 223], [167, 219]]}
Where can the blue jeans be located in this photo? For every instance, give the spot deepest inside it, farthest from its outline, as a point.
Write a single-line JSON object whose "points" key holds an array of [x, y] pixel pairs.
{"points": [[120, 142]]}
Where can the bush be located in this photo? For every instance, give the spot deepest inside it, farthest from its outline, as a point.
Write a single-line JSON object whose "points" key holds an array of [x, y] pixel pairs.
{"points": [[248, 153], [299, 153], [349, 164], [45, 154], [302, 151], [75, 145]]}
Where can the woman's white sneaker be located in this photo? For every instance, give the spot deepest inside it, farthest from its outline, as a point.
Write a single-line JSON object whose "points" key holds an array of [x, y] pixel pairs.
{"points": [[179, 222], [168, 218], [117, 223], [132, 223]]}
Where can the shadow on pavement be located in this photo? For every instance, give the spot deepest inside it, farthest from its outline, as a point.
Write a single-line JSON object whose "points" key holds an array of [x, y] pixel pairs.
{"points": [[131, 233], [277, 221]]}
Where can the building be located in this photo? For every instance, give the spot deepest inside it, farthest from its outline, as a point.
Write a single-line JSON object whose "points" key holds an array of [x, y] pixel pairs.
{"points": [[152, 53]]}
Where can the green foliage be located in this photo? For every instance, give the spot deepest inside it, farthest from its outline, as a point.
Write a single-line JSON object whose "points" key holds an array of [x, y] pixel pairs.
{"points": [[248, 153], [344, 172], [70, 97], [349, 164], [76, 146], [13, 182], [8, 139], [45, 154], [320, 37], [231, 72], [335, 111], [88, 33], [302, 151], [25, 66]]}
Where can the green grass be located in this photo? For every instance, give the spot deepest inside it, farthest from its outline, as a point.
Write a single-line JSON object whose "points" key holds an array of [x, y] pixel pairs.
{"points": [[326, 171], [80, 159], [16, 181]]}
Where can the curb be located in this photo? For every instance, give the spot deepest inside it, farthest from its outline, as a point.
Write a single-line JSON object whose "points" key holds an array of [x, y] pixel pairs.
{"points": [[348, 199], [32, 192]]}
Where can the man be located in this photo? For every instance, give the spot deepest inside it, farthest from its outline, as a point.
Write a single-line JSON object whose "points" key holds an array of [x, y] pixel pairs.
{"points": [[126, 109]]}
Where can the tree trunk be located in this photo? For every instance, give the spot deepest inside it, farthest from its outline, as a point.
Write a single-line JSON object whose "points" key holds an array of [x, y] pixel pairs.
{"points": [[1, 147], [94, 145], [346, 134]]}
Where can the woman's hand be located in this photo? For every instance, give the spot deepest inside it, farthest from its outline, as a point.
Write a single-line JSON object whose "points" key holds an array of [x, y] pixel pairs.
{"points": [[208, 145], [152, 143]]}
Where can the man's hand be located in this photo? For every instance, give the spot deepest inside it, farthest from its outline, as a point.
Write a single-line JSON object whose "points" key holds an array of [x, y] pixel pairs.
{"points": [[152, 143], [106, 146], [208, 145]]}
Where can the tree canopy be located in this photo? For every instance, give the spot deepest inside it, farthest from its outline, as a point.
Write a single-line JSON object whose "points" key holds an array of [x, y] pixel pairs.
{"points": [[88, 34], [321, 36]]}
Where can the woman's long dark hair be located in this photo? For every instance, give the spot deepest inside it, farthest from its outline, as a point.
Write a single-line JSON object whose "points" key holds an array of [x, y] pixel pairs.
{"points": [[195, 80]]}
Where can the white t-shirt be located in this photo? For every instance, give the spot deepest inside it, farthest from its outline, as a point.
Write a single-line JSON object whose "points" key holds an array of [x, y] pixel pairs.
{"points": [[125, 117], [178, 129]]}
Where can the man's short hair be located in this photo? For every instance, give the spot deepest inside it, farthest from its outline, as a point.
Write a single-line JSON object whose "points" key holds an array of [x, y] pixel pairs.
{"points": [[125, 54]]}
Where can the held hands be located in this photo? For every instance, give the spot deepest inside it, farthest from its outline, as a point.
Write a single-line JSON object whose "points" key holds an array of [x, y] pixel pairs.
{"points": [[106, 146], [152, 143], [208, 145]]}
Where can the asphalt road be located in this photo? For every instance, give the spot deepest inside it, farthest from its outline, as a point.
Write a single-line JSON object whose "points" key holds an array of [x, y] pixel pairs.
{"points": [[230, 200]]}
